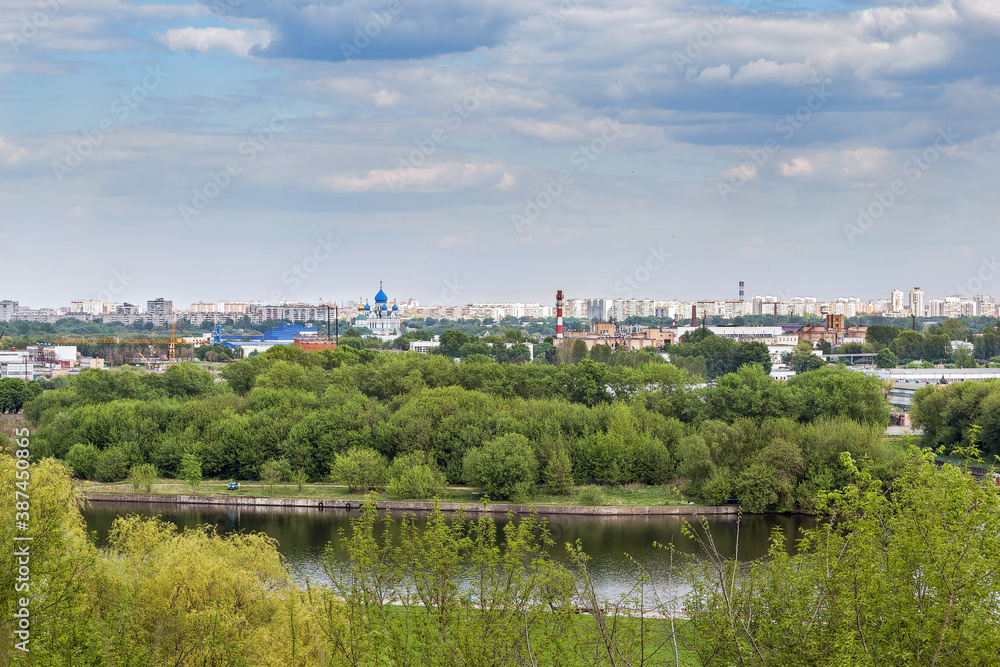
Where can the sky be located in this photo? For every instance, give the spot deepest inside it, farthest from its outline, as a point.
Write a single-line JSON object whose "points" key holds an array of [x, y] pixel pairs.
{"points": [[484, 150]]}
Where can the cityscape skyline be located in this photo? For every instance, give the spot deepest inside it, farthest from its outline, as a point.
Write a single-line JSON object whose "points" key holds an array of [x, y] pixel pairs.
{"points": [[915, 302]]}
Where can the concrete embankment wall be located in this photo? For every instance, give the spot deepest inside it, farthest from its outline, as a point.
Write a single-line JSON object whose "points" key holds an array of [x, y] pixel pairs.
{"points": [[413, 506]]}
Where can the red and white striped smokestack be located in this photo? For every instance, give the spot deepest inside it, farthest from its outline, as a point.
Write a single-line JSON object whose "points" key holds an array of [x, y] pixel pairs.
{"points": [[559, 307]]}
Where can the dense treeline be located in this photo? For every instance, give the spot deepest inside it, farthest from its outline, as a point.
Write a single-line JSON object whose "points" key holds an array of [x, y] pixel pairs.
{"points": [[767, 442], [948, 414], [934, 346], [708, 355], [905, 576]]}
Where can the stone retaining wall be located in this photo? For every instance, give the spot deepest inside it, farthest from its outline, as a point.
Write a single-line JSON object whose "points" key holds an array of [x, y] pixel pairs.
{"points": [[470, 508]]}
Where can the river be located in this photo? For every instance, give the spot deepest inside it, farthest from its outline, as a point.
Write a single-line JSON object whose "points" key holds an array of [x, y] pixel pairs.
{"points": [[303, 533]]}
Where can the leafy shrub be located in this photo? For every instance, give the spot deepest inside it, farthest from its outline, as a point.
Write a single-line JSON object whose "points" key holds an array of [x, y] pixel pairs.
{"points": [[190, 470], [111, 465], [504, 468], [559, 473], [359, 468], [142, 477], [591, 496], [82, 460], [415, 476]]}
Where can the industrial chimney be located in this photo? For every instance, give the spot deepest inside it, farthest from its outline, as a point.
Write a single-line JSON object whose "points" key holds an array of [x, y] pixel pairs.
{"points": [[694, 316], [559, 309]]}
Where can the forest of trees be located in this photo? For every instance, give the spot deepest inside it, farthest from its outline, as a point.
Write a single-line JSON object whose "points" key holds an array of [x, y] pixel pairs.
{"points": [[933, 345], [905, 575], [770, 444]]}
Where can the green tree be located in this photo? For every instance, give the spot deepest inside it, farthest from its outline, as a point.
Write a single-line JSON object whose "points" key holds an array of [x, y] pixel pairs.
{"points": [[963, 358], [937, 347], [14, 393], [142, 476], [298, 478], [886, 359], [578, 352], [601, 353], [190, 470], [908, 346], [452, 342], [987, 346], [82, 460], [360, 468], [952, 328], [834, 392], [748, 393], [882, 335], [185, 380], [559, 473], [804, 359], [415, 475], [884, 580], [504, 468], [111, 465], [274, 471]]}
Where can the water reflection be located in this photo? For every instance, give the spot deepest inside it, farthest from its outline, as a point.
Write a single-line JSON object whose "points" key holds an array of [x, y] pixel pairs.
{"points": [[303, 533]]}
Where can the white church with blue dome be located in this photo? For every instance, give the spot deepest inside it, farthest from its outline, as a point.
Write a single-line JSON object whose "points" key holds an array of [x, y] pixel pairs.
{"points": [[382, 320]]}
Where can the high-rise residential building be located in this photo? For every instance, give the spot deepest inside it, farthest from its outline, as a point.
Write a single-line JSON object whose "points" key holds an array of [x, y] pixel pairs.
{"points": [[8, 311], [160, 311], [87, 306], [917, 306], [202, 307], [758, 304], [896, 300], [987, 307], [598, 309], [576, 308]]}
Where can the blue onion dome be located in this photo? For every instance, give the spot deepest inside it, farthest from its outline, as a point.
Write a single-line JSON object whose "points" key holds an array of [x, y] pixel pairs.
{"points": [[367, 307], [395, 307], [381, 297], [383, 307]]}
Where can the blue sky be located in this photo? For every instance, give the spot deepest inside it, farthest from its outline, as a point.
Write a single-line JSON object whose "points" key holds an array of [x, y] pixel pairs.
{"points": [[474, 150]]}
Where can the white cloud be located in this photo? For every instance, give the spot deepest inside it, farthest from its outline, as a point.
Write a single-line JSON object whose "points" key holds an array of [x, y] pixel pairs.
{"points": [[763, 71], [797, 166], [238, 41], [446, 177], [11, 153], [386, 98]]}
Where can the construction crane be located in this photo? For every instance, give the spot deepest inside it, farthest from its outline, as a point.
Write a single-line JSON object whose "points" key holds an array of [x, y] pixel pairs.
{"points": [[171, 342]]}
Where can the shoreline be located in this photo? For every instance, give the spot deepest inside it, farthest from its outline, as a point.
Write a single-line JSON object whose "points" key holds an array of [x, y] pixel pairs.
{"points": [[408, 505]]}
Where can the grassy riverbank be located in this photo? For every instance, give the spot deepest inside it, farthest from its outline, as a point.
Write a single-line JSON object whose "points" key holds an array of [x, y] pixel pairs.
{"points": [[632, 495]]}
